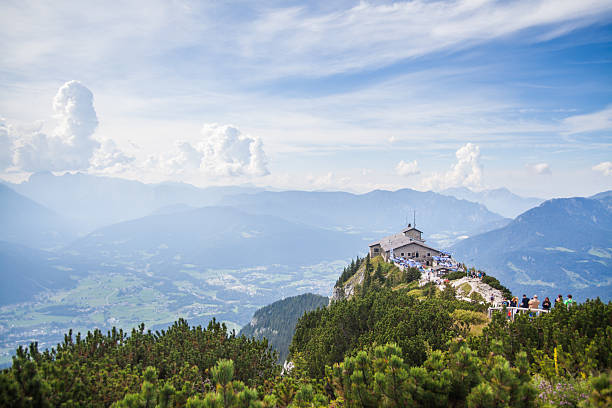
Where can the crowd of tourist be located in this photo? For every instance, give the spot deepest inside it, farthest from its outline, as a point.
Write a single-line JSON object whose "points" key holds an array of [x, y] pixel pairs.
{"points": [[533, 304]]}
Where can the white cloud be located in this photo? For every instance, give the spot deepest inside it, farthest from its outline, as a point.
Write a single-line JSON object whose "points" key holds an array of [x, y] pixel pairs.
{"points": [[374, 35], [228, 152], [466, 172], [407, 168], [329, 181], [539, 168], [109, 158], [604, 167], [187, 158], [278, 41], [6, 146], [224, 151], [72, 144], [591, 122]]}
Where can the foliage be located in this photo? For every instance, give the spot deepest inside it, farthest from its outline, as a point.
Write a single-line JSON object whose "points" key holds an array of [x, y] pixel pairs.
{"points": [[454, 275], [383, 347], [465, 288], [97, 369], [276, 322], [561, 392], [581, 336], [349, 271], [381, 377], [494, 283], [469, 316], [325, 336]]}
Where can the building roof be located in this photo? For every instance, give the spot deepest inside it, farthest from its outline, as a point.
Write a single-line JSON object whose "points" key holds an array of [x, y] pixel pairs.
{"points": [[399, 240], [410, 228]]}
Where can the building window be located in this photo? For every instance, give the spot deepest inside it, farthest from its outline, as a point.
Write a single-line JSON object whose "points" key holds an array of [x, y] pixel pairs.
{"points": [[428, 254], [375, 249], [408, 253], [402, 254], [416, 254]]}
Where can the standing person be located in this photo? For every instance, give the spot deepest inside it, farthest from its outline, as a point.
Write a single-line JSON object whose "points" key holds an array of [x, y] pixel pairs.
{"points": [[514, 302], [569, 301], [546, 304], [559, 300], [534, 303], [525, 302]]}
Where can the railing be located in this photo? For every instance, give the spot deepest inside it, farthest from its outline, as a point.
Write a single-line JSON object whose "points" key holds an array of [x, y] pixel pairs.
{"points": [[513, 311]]}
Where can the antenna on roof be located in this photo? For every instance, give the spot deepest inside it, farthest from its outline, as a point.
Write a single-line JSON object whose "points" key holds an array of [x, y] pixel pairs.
{"points": [[414, 218]]}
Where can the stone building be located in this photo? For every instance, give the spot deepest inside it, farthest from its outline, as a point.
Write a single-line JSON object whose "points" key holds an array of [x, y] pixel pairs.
{"points": [[406, 244]]}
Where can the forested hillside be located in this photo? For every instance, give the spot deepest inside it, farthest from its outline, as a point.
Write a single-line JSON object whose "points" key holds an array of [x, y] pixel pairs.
{"points": [[276, 322], [395, 346]]}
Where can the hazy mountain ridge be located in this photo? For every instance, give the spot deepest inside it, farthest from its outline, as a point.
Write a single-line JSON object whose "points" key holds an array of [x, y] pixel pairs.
{"points": [[441, 218], [29, 223], [27, 272], [216, 237], [97, 201], [563, 245], [501, 200]]}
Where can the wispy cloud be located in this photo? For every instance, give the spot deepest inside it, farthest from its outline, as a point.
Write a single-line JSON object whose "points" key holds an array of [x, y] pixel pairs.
{"points": [[590, 122], [373, 35], [273, 42]]}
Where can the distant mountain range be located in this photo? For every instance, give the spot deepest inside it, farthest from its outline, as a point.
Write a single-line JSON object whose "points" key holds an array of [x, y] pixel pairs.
{"points": [[562, 246], [28, 223], [27, 272], [276, 322], [215, 237], [442, 218], [95, 201], [500, 200]]}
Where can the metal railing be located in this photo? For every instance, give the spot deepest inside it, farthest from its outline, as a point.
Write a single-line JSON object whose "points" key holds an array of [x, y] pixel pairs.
{"points": [[513, 311]]}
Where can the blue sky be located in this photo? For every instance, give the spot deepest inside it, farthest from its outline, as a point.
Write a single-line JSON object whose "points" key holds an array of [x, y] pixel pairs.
{"points": [[315, 95]]}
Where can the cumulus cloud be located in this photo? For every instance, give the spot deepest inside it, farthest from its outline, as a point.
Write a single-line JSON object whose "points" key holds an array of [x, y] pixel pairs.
{"points": [[539, 168], [6, 145], [71, 145], [407, 168], [228, 152], [109, 157], [604, 167], [466, 172], [223, 151]]}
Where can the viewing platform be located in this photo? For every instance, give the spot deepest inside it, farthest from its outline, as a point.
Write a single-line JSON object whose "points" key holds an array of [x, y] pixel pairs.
{"points": [[513, 311]]}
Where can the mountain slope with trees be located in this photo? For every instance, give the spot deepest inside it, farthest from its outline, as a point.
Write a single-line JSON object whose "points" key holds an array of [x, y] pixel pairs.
{"points": [[276, 322]]}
